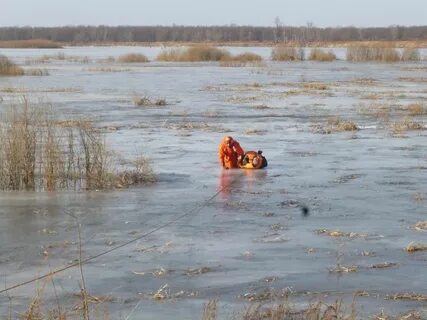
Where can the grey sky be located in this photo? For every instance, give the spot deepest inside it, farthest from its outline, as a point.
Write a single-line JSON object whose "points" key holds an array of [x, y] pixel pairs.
{"points": [[213, 12]]}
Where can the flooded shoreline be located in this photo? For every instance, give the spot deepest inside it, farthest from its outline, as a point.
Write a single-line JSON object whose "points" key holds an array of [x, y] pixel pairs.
{"points": [[365, 188]]}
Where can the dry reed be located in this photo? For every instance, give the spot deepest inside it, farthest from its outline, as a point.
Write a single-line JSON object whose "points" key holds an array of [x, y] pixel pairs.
{"points": [[283, 53], [192, 54], [8, 68], [40, 153], [363, 54], [133, 58], [320, 55], [35, 43], [241, 60], [411, 54]]}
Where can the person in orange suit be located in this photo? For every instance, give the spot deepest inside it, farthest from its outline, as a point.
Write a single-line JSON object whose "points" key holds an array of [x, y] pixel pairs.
{"points": [[230, 153]]}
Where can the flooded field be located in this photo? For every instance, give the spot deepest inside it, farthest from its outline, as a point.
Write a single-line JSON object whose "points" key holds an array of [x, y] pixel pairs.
{"points": [[347, 140]]}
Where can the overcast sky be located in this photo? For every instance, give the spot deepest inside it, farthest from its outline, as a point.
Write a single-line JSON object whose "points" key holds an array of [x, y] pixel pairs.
{"points": [[212, 12]]}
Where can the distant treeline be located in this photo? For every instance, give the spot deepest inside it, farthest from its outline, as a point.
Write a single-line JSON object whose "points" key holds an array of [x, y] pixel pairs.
{"points": [[278, 33]]}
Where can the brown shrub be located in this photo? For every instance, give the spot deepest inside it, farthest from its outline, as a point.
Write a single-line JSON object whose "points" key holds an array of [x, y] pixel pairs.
{"points": [[8, 68], [133, 58], [283, 53], [320, 55]]}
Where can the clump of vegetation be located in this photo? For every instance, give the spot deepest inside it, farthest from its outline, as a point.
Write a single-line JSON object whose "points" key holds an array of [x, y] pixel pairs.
{"points": [[420, 226], [148, 102], [241, 60], [416, 109], [40, 153], [363, 54], [283, 53], [415, 247], [321, 55], [406, 125], [133, 58], [33, 43], [411, 54], [192, 54], [315, 86], [8, 68], [335, 125]]}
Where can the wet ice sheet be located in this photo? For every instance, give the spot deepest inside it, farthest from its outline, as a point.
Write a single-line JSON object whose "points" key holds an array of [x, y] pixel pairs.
{"points": [[366, 182]]}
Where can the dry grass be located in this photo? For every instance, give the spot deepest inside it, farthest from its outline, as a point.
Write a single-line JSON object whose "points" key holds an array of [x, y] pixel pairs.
{"points": [[149, 102], [210, 310], [415, 247], [407, 296], [8, 68], [192, 54], [335, 125], [420, 226], [283, 53], [321, 55], [36, 72], [406, 125], [46, 58], [133, 58], [363, 54], [315, 86], [36, 43], [38, 153], [416, 109], [410, 54], [108, 69], [413, 79], [340, 234], [283, 310], [241, 60]]}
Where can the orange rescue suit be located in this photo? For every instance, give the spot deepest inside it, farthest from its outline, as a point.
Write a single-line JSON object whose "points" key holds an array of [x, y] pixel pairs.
{"points": [[228, 154]]}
